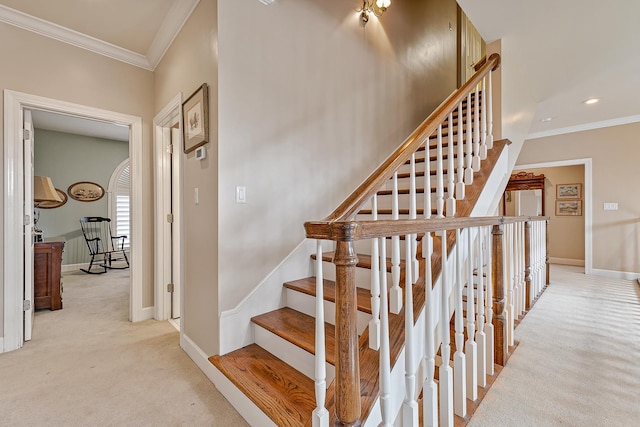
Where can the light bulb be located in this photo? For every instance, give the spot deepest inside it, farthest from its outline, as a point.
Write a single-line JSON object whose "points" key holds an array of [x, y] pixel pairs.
{"points": [[383, 4]]}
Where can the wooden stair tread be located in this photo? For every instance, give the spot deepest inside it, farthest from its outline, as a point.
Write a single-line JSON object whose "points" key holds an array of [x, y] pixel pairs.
{"points": [[284, 394], [299, 329], [308, 286]]}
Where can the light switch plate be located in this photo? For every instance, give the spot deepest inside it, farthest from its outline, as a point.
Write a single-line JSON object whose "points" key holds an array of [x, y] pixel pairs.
{"points": [[241, 194], [610, 206]]}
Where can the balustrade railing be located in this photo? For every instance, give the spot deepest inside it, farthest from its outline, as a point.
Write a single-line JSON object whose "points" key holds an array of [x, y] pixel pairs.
{"points": [[477, 258], [445, 259]]}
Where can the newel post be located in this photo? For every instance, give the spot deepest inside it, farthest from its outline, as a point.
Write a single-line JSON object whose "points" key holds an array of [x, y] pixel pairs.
{"points": [[499, 291], [347, 356], [546, 245], [527, 264]]}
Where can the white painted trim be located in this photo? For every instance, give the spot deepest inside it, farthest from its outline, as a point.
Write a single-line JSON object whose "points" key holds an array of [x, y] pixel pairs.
{"points": [[587, 126], [169, 29], [2, 350], [588, 197], [66, 268], [74, 38], [235, 324], [146, 314], [611, 274], [247, 409], [14, 104], [566, 261], [167, 117]]}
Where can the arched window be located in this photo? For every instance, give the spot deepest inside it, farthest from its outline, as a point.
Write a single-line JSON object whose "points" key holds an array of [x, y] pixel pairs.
{"points": [[119, 201]]}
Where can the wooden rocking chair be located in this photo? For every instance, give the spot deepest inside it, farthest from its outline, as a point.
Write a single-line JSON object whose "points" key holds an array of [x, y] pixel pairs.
{"points": [[102, 244]]}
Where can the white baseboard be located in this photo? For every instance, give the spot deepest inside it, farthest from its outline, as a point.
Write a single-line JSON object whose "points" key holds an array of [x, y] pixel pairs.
{"points": [[66, 268], [247, 409], [145, 314], [611, 274], [1, 345], [566, 261]]}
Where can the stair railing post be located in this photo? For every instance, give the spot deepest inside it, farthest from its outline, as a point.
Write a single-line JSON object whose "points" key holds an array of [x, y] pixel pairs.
{"points": [[498, 292], [374, 323], [410, 405], [347, 368], [527, 264]]}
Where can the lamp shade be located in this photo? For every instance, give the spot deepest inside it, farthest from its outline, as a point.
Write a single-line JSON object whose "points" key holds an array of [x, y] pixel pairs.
{"points": [[44, 191]]}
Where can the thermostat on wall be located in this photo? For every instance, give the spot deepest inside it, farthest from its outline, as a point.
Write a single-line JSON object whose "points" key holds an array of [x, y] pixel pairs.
{"points": [[201, 153]]}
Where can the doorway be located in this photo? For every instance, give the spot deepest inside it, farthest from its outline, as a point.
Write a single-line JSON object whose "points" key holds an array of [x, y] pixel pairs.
{"points": [[169, 275], [15, 218], [586, 201]]}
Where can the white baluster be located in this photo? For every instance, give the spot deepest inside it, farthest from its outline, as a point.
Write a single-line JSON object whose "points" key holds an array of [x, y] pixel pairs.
{"points": [[488, 327], [410, 405], [439, 176], [483, 121], [470, 349], [490, 112], [320, 414], [374, 323], [451, 171], [476, 132], [413, 212], [429, 388], [385, 358], [512, 278], [395, 294], [459, 362], [445, 373], [481, 341], [468, 172], [460, 187], [427, 183]]}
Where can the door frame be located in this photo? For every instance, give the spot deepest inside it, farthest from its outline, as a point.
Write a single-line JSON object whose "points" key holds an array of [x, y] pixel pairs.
{"points": [[588, 208], [13, 196], [170, 115]]}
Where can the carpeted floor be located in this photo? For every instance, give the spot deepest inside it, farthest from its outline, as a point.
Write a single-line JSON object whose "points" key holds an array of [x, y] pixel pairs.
{"points": [[578, 362], [88, 366]]}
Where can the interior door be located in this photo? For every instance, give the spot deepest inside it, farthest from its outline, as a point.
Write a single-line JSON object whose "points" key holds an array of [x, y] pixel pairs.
{"points": [[28, 225], [175, 245]]}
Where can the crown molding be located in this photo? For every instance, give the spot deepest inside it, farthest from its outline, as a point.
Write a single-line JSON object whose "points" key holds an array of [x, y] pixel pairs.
{"points": [[171, 26], [587, 126]]}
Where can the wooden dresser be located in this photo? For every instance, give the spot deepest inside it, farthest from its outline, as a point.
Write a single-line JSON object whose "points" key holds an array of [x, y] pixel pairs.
{"points": [[47, 284]]}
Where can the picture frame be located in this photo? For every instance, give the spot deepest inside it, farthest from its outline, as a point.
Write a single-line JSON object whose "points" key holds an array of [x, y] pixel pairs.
{"points": [[85, 191], [195, 119], [568, 207], [568, 191], [53, 205]]}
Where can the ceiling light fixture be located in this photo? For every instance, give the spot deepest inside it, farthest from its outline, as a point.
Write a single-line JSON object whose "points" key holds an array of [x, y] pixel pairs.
{"points": [[377, 7], [591, 101]]}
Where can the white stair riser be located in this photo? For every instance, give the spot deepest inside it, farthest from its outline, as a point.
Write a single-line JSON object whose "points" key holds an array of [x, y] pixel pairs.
{"points": [[296, 357], [307, 304]]}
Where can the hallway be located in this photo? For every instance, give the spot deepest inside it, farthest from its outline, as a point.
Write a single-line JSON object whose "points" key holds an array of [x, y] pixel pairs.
{"points": [[578, 362]]}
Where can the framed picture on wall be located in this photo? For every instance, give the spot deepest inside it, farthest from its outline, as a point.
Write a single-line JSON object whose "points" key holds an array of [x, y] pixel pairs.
{"points": [[569, 191], [568, 207], [195, 119], [85, 191]]}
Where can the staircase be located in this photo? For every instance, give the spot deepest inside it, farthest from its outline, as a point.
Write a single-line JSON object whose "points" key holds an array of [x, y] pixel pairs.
{"points": [[295, 382]]}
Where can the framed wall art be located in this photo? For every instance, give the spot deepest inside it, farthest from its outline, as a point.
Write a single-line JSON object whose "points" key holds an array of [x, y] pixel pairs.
{"points": [[569, 191], [85, 191], [53, 205], [568, 207], [195, 119]]}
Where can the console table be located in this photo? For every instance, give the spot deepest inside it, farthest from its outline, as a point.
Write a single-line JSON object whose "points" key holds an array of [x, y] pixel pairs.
{"points": [[47, 265]]}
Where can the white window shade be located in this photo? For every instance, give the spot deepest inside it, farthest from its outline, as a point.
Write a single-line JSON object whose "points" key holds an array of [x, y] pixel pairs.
{"points": [[120, 201]]}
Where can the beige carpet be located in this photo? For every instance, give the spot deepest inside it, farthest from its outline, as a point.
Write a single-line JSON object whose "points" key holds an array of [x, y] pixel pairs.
{"points": [[88, 366], [578, 362]]}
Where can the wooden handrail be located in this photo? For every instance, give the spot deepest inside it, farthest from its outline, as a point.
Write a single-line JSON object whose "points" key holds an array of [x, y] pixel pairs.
{"points": [[360, 230], [350, 207]]}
